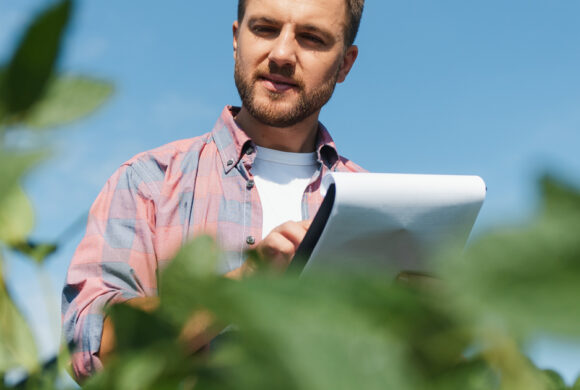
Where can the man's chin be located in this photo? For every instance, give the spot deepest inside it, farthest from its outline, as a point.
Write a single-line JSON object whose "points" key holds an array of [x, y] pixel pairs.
{"points": [[276, 118], [276, 111]]}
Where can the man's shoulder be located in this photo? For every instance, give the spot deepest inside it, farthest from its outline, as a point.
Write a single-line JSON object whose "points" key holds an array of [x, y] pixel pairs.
{"points": [[167, 162], [172, 151], [183, 155]]}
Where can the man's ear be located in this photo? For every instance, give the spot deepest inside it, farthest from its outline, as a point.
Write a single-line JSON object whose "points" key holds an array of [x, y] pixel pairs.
{"points": [[348, 60], [235, 28]]}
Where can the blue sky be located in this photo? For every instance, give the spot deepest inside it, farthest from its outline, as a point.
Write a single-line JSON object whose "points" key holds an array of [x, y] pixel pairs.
{"points": [[490, 88]]}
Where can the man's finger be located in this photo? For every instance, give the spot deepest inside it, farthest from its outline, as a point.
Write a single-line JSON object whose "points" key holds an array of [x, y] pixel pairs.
{"points": [[276, 244], [292, 231], [306, 223]]}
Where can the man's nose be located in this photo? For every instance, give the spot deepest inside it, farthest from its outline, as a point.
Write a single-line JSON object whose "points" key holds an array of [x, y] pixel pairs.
{"points": [[283, 51]]}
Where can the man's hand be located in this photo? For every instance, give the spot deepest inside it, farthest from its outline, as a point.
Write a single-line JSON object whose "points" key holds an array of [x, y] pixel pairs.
{"points": [[108, 340], [280, 245], [277, 248]]}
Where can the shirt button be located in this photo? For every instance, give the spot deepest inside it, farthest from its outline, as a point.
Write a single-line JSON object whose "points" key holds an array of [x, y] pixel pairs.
{"points": [[230, 162], [250, 184], [250, 240]]}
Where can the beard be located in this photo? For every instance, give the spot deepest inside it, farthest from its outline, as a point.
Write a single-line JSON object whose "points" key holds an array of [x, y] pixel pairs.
{"points": [[278, 110]]}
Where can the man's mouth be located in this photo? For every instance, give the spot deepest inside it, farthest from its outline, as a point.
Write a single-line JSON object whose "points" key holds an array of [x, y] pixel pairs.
{"points": [[276, 83]]}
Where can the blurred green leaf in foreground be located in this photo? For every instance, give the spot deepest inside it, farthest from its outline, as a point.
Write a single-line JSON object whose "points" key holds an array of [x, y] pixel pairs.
{"points": [[27, 74], [463, 331], [526, 280], [33, 95]]}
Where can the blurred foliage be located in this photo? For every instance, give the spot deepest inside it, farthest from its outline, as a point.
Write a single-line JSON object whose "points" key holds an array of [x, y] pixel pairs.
{"points": [[463, 330], [17, 348], [67, 99], [31, 67], [33, 95]]}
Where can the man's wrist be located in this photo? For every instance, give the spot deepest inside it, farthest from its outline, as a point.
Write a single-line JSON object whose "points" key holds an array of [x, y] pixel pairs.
{"points": [[240, 272]]}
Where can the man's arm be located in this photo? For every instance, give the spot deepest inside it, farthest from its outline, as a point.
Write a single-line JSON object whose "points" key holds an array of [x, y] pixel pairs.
{"points": [[115, 262], [278, 248]]}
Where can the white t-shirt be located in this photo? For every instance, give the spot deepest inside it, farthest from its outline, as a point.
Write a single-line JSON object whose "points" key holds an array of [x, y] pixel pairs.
{"points": [[281, 178]]}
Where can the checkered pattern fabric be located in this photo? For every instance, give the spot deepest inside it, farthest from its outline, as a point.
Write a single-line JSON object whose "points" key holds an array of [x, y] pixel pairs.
{"points": [[151, 205]]}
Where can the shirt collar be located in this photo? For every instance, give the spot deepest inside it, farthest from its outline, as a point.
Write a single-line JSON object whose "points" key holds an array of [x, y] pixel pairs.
{"points": [[233, 143], [325, 147]]}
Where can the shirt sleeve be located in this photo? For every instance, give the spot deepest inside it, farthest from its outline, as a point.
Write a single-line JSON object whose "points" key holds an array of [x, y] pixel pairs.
{"points": [[114, 262]]}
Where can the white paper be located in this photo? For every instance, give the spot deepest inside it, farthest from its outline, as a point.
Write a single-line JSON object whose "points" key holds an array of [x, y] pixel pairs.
{"points": [[395, 222]]}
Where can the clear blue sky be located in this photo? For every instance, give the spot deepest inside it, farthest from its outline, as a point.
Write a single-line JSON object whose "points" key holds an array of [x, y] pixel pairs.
{"points": [[490, 88]]}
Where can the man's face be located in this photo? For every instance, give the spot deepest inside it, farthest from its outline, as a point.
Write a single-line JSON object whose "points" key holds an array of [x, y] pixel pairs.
{"points": [[289, 56]]}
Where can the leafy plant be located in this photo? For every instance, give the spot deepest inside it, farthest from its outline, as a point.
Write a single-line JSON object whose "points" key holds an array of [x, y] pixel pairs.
{"points": [[33, 95], [464, 329]]}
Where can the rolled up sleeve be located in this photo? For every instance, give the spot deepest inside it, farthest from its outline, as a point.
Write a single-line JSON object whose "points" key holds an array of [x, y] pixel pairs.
{"points": [[114, 262]]}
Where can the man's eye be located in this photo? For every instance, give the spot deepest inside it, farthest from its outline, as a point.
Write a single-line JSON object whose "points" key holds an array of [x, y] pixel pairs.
{"points": [[313, 39], [263, 30]]}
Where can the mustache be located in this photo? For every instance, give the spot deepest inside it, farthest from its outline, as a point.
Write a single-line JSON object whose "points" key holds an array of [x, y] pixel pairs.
{"points": [[287, 71]]}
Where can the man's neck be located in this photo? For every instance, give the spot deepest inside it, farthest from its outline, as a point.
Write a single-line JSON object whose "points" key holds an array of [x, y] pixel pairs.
{"points": [[299, 138]]}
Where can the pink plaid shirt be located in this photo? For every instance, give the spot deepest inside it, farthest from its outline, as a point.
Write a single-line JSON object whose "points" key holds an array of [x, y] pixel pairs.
{"points": [[152, 205]]}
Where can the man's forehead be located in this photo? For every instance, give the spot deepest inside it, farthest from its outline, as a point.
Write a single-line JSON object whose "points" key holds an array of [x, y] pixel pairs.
{"points": [[313, 10]]}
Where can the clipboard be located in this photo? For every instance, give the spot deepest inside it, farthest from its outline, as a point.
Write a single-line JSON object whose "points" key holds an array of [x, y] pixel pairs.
{"points": [[385, 222]]}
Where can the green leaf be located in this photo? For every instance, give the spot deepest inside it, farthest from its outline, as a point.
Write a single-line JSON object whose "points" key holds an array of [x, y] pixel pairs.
{"points": [[576, 385], [17, 347], [3, 108], [161, 367], [362, 331], [309, 335], [559, 196], [14, 166], [325, 332], [554, 380], [32, 65], [195, 264], [525, 279], [68, 98], [473, 374], [330, 331], [130, 333], [36, 251], [16, 216]]}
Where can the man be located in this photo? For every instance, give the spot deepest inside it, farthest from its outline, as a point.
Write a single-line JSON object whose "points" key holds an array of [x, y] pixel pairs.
{"points": [[256, 174]]}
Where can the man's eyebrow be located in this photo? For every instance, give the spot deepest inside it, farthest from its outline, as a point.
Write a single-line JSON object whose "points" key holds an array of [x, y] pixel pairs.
{"points": [[263, 19], [304, 27]]}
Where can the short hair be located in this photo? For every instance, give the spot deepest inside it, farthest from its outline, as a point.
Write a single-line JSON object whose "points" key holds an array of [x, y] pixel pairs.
{"points": [[354, 10]]}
